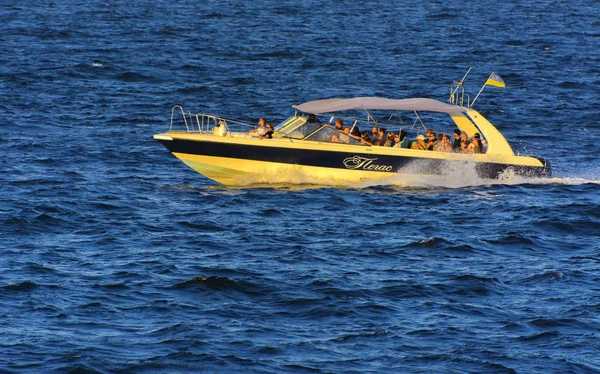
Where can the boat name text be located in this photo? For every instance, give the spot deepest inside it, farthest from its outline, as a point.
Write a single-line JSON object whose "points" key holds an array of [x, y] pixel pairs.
{"points": [[363, 163]]}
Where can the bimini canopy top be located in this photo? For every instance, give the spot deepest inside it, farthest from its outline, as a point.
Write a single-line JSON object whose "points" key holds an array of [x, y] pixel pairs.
{"points": [[376, 103]]}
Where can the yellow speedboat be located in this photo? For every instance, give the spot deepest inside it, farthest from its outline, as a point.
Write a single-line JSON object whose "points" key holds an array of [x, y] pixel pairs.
{"points": [[304, 150]]}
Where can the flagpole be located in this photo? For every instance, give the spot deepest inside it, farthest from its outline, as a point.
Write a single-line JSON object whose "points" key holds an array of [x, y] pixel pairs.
{"points": [[479, 93]]}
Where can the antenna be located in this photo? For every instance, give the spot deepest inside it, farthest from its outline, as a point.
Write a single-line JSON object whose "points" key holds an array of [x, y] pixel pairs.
{"points": [[456, 86], [459, 84]]}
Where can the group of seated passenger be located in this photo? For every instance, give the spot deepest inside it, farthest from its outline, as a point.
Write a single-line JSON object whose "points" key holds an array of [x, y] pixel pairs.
{"points": [[466, 145], [441, 143], [348, 133], [378, 137], [460, 143], [430, 141]]}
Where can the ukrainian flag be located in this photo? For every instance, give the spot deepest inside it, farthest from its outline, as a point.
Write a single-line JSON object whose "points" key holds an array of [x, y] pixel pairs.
{"points": [[495, 80]]}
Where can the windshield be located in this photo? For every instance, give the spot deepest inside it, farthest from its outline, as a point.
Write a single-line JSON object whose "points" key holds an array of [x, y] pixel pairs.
{"points": [[289, 124], [296, 128], [329, 134]]}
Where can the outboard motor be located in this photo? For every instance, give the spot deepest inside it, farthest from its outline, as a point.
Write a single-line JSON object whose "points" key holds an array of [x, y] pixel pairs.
{"points": [[547, 170]]}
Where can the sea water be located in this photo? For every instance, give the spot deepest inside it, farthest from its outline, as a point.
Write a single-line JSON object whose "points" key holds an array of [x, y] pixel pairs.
{"points": [[116, 257]]}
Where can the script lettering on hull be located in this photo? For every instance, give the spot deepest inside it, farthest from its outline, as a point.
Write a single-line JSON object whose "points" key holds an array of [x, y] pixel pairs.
{"points": [[364, 163]]}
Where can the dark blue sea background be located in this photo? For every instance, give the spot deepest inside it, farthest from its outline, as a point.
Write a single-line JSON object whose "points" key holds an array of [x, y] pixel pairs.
{"points": [[115, 257]]}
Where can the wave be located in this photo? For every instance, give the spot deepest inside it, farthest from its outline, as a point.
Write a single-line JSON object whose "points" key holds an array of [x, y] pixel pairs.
{"points": [[438, 243], [212, 282], [373, 334], [170, 329], [469, 285], [136, 77], [112, 286], [567, 323], [430, 242], [189, 90], [546, 335], [571, 181], [512, 238], [216, 283], [22, 286], [78, 368], [548, 276], [203, 226]]}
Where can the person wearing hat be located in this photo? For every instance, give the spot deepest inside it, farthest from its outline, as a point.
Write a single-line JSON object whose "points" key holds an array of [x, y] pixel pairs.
{"points": [[420, 143]]}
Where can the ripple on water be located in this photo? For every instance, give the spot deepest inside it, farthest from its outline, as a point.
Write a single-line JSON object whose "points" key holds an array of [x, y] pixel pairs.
{"points": [[116, 257]]}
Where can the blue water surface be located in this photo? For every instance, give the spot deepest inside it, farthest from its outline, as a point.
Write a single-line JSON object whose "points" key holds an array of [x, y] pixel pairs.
{"points": [[115, 257]]}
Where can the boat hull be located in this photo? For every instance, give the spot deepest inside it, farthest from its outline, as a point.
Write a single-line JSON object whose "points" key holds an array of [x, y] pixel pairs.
{"points": [[243, 161]]}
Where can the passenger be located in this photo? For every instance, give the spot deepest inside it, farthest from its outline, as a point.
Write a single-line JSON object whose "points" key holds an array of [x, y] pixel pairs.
{"points": [[389, 142], [355, 131], [446, 144], [374, 135], [339, 124], [312, 119], [269, 132], [475, 146], [381, 135], [333, 136], [364, 138], [420, 143], [464, 147], [483, 143], [403, 143], [439, 143], [456, 141], [431, 139], [260, 130], [345, 138], [428, 135], [463, 138]]}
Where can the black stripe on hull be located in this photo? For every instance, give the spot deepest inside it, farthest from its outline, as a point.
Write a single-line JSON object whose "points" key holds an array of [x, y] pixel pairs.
{"points": [[333, 159]]}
